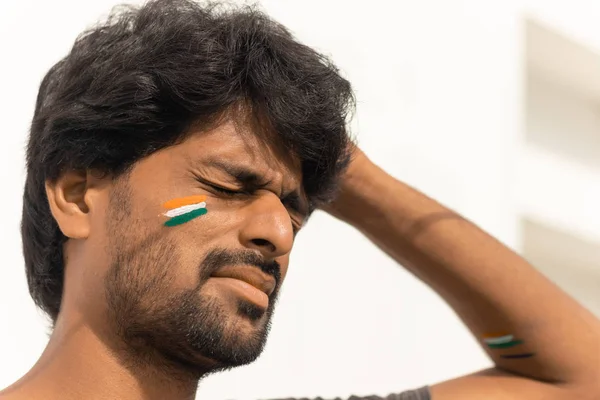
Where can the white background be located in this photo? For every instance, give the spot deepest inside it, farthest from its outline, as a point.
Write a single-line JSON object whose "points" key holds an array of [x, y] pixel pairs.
{"points": [[451, 99]]}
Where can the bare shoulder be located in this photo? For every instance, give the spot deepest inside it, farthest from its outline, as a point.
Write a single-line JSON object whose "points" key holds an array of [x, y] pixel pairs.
{"points": [[14, 392]]}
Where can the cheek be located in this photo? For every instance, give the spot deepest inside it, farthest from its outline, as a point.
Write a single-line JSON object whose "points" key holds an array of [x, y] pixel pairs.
{"points": [[196, 236], [209, 222], [98, 243]]}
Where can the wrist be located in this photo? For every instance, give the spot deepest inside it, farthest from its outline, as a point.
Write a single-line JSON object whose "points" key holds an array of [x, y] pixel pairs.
{"points": [[356, 187]]}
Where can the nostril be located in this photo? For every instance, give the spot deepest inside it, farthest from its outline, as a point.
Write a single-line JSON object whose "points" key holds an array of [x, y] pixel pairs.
{"points": [[264, 243]]}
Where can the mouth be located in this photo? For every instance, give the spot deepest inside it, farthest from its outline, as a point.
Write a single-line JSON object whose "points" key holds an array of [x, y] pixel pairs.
{"points": [[249, 282]]}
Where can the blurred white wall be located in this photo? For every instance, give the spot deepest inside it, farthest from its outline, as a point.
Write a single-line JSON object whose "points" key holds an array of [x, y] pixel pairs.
{"points": [[448, 100]]}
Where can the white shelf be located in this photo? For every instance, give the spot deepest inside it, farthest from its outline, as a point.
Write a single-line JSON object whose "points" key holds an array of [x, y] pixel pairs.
{"points": [[559, 192], [562, 121], [558, 58], [570, 261], [559, 179]]}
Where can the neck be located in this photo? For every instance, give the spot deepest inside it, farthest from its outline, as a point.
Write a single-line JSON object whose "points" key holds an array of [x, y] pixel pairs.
{"points": [[80, 363]]}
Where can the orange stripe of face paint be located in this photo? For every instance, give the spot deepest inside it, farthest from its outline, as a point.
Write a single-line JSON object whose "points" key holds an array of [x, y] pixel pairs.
{"points": [[184, 201]]}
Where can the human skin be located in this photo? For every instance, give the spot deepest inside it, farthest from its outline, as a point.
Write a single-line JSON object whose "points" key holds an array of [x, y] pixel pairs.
{"points": [[472, 271], [142, 317], [490, 287]]}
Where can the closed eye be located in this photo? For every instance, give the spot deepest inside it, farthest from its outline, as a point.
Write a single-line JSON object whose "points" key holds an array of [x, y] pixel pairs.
{"points": [[225, 191], [231, 193], [220, 189]]}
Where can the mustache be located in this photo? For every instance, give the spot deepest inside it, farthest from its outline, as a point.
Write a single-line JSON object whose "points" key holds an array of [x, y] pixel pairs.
{"points": [[218, 258]]}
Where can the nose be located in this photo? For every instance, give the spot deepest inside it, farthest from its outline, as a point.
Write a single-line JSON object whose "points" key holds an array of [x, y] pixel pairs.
{"points": [[267, 227]]}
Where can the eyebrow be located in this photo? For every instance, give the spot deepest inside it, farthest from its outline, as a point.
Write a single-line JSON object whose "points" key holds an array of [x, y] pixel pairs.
{"points": [[253, 180]]}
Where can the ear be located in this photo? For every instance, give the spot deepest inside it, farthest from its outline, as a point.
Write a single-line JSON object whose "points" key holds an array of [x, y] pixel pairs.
{"points": [[70, 198]]}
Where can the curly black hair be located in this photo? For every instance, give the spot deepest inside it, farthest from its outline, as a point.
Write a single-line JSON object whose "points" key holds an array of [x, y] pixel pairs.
{"points": [[137, 82]]}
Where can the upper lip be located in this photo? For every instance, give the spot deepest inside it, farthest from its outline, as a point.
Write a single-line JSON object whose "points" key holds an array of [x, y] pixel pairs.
{"points": [[251, 275]]}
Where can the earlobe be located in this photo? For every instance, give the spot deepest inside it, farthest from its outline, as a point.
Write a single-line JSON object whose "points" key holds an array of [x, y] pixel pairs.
{"points": [[68, 201]]}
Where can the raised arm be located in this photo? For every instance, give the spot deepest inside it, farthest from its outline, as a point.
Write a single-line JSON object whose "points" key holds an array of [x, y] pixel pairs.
{"points": [[545, 346]]}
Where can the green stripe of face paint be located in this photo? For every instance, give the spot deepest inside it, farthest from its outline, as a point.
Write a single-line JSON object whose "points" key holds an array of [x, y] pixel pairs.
{"points": [[182, 219], [505, 345]]}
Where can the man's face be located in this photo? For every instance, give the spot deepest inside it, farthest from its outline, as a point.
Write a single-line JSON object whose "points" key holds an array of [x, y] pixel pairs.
{"points": [[198, 295]]}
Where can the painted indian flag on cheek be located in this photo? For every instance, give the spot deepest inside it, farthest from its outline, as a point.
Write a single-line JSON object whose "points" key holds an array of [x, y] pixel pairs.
{"points": [[184, 209]]}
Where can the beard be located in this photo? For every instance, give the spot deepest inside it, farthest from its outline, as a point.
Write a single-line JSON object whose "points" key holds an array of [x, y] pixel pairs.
{"points": [[178, 331]]}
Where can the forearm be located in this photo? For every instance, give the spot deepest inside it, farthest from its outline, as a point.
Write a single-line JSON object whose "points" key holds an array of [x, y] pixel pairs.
{"points": [[490, 287]]}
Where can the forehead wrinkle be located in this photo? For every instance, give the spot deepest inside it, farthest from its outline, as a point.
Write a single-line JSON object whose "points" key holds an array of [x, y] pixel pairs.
{"points": [[249, 160], [268, 159], [242, 173], [253, 178]]}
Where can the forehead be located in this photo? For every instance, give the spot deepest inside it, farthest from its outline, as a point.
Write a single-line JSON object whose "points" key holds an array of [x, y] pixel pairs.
{"points": [[238, 143]]}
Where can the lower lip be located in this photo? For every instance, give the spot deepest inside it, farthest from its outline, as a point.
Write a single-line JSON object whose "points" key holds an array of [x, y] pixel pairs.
{"points": [[245, 290]]}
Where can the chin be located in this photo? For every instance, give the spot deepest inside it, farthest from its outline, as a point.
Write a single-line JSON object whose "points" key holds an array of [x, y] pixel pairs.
{"points": [[241, 341]]}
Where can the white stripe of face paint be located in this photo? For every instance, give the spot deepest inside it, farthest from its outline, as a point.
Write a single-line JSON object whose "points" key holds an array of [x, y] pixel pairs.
{"points": [[184, 209], [499, 340]]}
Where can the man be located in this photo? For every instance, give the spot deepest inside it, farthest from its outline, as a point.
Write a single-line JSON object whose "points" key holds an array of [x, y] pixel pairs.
{"points": [[174, 155]]}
